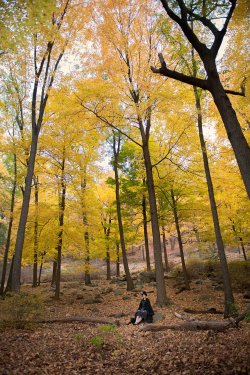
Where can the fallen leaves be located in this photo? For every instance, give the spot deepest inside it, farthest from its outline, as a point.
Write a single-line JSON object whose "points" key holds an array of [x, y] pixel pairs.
{"points": [[68, 349]]}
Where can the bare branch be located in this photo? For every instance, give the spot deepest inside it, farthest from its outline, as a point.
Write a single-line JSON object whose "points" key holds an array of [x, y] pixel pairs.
{"points": [[163, 70]]}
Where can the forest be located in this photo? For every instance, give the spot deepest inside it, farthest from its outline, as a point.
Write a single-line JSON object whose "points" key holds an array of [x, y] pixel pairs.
{"points": [[124, 166]]}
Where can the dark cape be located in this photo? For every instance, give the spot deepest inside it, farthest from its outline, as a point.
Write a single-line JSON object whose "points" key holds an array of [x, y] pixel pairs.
{"points": [[146, 305]]}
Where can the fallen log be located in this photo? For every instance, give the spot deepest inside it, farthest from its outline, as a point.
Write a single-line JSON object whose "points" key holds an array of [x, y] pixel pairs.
{"points": [[195, 325], [211, 310], [79, 319]]}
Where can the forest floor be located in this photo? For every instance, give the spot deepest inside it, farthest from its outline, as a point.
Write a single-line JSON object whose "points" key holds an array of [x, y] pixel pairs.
{"points": [[88, 348]]}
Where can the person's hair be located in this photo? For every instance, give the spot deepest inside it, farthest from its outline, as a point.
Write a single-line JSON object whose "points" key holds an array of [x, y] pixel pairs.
{"points": [[145, 293]]}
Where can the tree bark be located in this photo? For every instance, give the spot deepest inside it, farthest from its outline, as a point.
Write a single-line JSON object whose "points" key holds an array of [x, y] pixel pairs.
{"points": [[117, 259], [145, 231], [87, 278], [62, 198], [16, 272], [35, 257], [54, 268], [79, 319], [106, 230], [116, 151], [161, 289], [177, 225], [228, 293], [40, 269], [165, 250], [7, 245], [231, 123]]}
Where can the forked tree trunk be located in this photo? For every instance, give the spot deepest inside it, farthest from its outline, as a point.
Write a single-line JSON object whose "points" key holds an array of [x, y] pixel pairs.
{"points": [[116, 151], [7, 245], [177, 225], [17, 261], [43, 82]]}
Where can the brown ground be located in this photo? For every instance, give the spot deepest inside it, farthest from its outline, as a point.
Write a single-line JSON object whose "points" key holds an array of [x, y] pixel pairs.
{"points": [[73, 348]]}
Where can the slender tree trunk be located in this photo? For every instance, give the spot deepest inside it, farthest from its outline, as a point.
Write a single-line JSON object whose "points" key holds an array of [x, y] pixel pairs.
{"points": [[35, 259], [228, 293], [145, 229], [16, 272], [117, 259], [9, 282], [243, 248], [87, 278], [116, 151], [176, 219], [7, 245], [172, 243], [165, 250], [107, 233], [62, 197], [54, 270], [240, 239], [160, 282], [40, 269], [197, 236], [142, 252]]}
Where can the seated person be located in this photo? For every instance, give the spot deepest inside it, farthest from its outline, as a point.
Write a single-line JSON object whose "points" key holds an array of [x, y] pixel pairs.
{"points": [[145, 312]]}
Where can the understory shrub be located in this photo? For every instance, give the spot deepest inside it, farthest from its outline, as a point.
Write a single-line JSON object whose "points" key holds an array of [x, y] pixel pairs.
{"points": [[21, 310]]}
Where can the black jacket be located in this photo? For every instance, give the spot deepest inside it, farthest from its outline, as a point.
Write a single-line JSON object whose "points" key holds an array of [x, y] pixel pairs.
{"points": [[146, 305]]}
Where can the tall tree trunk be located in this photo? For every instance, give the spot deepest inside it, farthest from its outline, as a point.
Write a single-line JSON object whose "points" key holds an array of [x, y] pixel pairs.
{"points": [[54, 270], [177, 225], [243, 248], [142, 252], [232, 125], [107, 234], [62, 197], [35, 258], [165, 250], [228, 293], [117, 259], [9, 282], [40, 269], [16, 272], [160, 282], [197, 236], [240, 239], [116, 151], [145, 230], [7, 245], [87, 278]]}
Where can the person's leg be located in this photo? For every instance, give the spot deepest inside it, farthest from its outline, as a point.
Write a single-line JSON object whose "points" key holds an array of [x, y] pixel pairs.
{"points": [[138, 319]]}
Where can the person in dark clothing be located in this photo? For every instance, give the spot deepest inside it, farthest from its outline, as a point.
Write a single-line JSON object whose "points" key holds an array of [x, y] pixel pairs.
{"points": [[145, 312]]}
